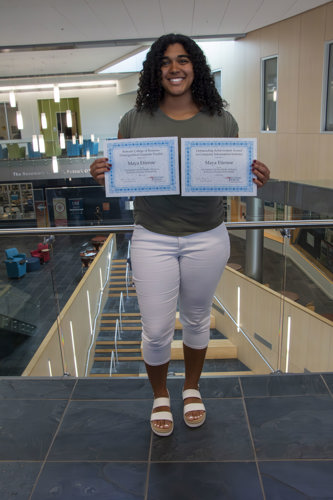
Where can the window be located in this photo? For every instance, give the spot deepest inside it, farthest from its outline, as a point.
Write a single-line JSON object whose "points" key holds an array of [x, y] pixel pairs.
{"points": [[8, 125], [327, 114], [217, 75], [268, 94]]}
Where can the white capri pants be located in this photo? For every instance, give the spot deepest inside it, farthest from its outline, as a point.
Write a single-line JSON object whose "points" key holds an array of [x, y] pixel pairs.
{"points": [[166, 268]]}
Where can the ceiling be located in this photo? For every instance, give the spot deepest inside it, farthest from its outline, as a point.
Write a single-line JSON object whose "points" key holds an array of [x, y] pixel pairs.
{"points": [[78, 37]]}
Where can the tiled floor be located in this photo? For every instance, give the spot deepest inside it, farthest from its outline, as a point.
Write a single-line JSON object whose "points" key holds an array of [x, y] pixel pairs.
{"points": [[265, 437]]}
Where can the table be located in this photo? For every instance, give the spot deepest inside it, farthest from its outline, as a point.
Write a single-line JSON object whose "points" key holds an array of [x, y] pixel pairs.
{"points": [[87, 258], [98, 241]]}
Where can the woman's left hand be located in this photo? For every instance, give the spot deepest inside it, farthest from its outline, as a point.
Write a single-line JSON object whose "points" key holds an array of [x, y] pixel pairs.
{"points": [[261, 172]]}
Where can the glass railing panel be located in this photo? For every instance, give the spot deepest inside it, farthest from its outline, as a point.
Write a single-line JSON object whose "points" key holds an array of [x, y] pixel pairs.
{"points": [[307, 313], [284, 312], [85, 307], [285, 200], [34, 291]]}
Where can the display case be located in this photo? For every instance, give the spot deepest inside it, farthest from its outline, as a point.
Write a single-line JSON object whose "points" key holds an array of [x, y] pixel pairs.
{"points": [[17, 201]]}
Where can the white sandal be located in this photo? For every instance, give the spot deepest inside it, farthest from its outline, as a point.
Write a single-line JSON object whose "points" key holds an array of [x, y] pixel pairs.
{"points": [[193, 393], [161, 415]]}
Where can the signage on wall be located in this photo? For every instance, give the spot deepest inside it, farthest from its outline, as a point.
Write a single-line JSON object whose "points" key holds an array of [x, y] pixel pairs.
{"points": [[60, 211], [27, 170]]}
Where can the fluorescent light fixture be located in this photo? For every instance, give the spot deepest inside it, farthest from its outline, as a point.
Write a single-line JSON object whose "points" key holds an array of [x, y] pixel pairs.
{"points": [[43, 120], [131, 64], [12, 99], [69, 122], [62, 141], [56, 93], [35, 143], [92, 137], [19, 120], [55, 166], [50, 86], [41, 142]]}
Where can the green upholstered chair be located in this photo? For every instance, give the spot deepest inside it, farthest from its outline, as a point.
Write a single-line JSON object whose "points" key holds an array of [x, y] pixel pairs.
{"points": [[15, 152]]}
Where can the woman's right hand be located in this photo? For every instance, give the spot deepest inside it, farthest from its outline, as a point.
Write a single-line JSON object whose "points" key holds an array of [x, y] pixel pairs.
{"points": [[98, 169]]}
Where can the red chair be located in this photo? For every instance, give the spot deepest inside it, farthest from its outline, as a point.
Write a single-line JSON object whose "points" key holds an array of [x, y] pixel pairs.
{"points": [[42, 252]]}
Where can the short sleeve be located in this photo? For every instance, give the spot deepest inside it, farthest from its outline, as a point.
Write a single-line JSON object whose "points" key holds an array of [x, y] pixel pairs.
{"points": [[125, 124], [231, 125]]}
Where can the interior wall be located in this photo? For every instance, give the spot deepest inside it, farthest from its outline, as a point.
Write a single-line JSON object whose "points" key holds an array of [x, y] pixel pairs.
{"points": [[100, 110], [298, 151]]}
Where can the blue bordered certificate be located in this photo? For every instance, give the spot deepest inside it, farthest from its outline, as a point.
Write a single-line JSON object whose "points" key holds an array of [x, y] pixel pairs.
{"points": [[218, 167], [142, 167]]}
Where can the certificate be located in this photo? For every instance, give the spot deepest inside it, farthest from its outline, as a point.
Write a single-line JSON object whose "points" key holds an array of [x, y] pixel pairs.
{"points": [[142, 167], [218, 167]]}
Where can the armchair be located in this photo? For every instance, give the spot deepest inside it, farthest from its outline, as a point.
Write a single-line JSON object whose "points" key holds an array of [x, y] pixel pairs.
{"points": [[13, 254], [90, 146], [15, 152], [42, 252], [73, 149], [33, 154], [16, 269], [16, 265], [3, 153]]}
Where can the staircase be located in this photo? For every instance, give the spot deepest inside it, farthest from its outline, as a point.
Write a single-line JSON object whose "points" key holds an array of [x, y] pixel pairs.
{"points": [[221, 358]]}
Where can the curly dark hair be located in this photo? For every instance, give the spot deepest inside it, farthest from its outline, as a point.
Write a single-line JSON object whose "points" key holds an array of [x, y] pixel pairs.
{"points": [[151, 92]]}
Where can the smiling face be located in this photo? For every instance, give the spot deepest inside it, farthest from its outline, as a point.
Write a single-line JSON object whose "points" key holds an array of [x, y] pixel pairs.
{"points": [[177, 71]]}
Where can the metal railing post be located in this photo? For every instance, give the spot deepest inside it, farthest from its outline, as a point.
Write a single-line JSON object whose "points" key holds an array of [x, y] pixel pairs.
{"points": [[112, 362]]}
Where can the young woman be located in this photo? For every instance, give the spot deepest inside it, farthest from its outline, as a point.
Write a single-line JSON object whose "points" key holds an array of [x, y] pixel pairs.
{"points": [[180, 245]]}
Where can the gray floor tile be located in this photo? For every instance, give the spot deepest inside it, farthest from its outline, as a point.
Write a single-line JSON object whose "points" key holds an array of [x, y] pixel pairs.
{"points": [[103, 481], [220, 387], [17, 479], [290, 428], [112, 389], [209, 481], [299, 480], [285, 385], [21, 388], [27, 427], [224, 435], [104, 430]]}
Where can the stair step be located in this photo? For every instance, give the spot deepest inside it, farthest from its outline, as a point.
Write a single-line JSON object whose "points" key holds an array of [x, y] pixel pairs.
{"points": [[111, 342], [125, 375], [130, 294], [114, 321], [119, 288], [217, 349], [119, 350], [125, 329], [120, 358], [116, 314]]}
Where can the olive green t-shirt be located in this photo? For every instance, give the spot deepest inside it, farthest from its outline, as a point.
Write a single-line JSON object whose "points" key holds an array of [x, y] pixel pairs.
{"points": [[177, 215]]}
